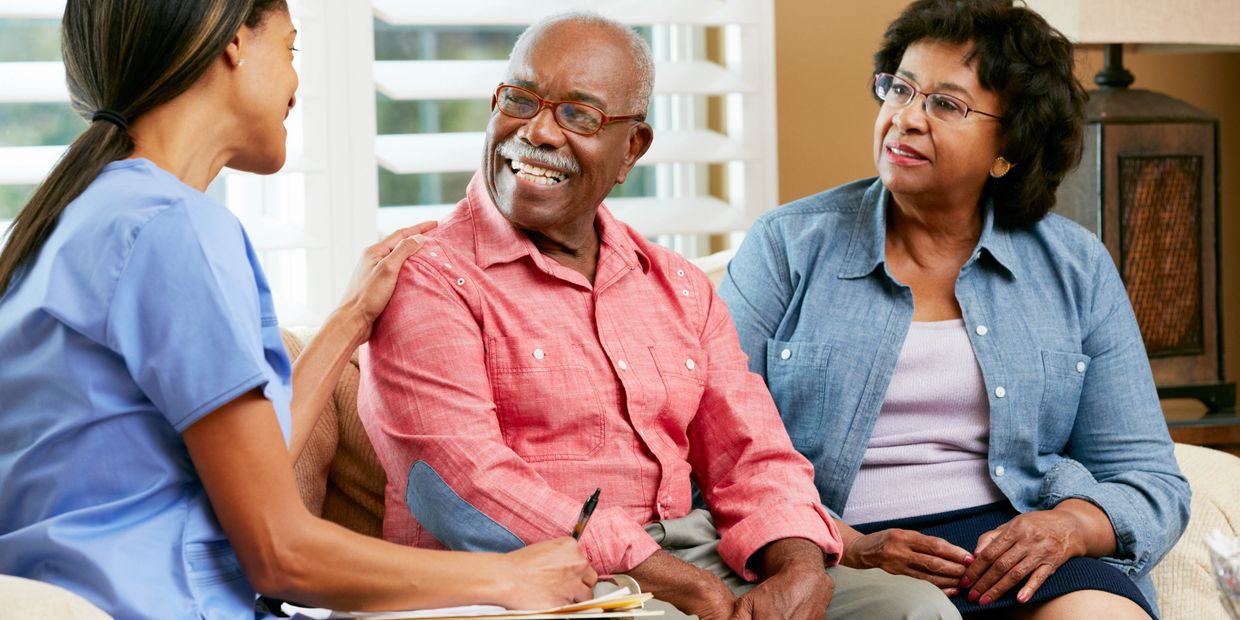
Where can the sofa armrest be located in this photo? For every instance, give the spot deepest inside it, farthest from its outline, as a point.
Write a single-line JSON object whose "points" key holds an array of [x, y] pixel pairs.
{"points": [[27, 598], [1184, 578], [338, 473]]}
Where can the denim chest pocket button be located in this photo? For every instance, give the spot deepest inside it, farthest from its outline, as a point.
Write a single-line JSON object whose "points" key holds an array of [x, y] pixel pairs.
{"points": [[796, 375]]}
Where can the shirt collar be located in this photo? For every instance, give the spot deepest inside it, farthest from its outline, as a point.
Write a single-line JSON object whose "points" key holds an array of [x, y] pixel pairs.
{"points": [[868, 247], [497, 241]]}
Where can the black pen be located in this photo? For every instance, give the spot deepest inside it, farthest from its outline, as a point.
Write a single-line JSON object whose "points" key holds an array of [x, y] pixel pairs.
{"points": [[584, 517]]}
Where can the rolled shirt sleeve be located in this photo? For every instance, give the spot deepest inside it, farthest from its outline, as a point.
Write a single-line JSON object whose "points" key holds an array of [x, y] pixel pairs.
{"points": [[758, 487]]}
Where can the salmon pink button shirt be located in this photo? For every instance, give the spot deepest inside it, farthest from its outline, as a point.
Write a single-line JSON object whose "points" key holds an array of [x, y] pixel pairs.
{"points": [[501, 388]]}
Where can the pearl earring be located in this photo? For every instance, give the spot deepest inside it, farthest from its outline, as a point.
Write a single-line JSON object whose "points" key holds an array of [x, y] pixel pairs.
{"points": [[240, 62]]}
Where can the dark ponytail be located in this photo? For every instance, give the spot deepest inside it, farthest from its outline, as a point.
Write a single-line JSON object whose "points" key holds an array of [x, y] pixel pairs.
{"points": [[123, 57]]}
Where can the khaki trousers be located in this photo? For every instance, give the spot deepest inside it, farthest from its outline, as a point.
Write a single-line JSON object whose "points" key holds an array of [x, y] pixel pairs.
{"points": [[870, 594]]}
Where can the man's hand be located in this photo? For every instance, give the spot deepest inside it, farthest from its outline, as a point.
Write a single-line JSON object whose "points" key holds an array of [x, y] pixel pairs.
{"points": [[796, 584], [905, 552], [689, 588]]}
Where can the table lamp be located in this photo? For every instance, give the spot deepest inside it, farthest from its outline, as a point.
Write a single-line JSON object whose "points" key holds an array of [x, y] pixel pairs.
{"points": [[1148, 182]]}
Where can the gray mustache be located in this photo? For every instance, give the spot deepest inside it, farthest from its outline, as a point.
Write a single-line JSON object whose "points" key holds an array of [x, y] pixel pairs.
{"points": [[513, 148]]}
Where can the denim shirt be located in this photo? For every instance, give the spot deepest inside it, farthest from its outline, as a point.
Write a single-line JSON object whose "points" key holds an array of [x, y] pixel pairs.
{"points": [[1073, 408]]}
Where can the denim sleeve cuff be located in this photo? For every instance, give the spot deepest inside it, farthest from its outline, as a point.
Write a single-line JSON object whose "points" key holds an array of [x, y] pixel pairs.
{"points": [[614, 543], [785, 520], [1069, 479]]}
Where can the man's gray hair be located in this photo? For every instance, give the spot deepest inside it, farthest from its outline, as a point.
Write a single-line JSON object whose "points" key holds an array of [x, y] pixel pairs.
{"points": [[643, 60]]}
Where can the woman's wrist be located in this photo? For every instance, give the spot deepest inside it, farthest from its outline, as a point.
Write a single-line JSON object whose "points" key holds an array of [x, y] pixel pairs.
{"points": [[848, 545], [350, 323], [1092, 532]]}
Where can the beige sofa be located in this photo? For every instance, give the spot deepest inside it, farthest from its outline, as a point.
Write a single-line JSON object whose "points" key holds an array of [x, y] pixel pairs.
{"points": [[341, 480]]}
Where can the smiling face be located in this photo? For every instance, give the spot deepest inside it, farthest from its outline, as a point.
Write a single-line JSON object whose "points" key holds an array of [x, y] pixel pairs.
{"points": [[924, 159], [266, 92], [543, 177]]}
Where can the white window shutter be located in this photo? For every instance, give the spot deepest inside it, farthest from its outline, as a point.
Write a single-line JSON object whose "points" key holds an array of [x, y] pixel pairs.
{"points": [[311, 221]]}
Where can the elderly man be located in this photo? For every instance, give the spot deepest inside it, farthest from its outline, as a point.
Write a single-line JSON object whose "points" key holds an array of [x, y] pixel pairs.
{"points": [[536, 349]]}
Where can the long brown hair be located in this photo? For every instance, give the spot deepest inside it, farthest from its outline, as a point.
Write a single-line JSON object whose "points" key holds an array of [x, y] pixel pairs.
{"points": [[126, 57]]}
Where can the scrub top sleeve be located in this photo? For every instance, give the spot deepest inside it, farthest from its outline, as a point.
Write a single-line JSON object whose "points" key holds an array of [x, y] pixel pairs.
{"points": [[185, 314]]}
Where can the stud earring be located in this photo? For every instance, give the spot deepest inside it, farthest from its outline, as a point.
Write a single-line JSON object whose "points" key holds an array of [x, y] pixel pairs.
{"points": [[1000, 167], [240, 62]]}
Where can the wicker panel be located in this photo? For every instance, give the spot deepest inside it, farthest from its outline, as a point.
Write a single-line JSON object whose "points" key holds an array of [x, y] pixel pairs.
{"points": [[1160, 250]]}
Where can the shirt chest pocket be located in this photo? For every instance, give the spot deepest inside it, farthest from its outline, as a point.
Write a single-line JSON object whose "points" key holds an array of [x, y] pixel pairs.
{"points": [[682, 377], [543, 399], [796, 374], [1063, 375]]}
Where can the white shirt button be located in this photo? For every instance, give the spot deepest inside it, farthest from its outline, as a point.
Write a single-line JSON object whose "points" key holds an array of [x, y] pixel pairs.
{"points": [[785, 354], [685, 292], [1000, 392], [680, 272], [999, 471], [460, 281], [623, 365], [690, 364], [434, 254], [538, 354], [982, 330], [1080, 366], [447, 266]]}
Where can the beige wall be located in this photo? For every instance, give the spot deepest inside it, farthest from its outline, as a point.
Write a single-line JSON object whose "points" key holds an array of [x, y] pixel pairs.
{"points": [[826, 115]]}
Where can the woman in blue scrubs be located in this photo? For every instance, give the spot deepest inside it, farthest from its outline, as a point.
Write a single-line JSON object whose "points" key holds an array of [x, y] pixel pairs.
{"points": [[147, 417]]}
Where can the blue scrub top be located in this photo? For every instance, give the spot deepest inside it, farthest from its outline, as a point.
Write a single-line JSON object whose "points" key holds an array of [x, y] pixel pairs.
{"points": [[145, 311]]}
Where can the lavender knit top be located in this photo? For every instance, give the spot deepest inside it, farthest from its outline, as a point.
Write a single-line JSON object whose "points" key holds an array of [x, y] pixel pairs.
{"points": [[927, 453]]}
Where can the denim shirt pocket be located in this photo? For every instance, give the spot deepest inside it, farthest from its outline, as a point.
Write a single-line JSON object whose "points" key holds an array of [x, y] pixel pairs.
{"points": [[1063, 375], [796, 374], [545, 412]]}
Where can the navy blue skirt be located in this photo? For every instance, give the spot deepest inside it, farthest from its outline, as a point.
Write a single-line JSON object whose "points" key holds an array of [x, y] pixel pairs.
{"points": [[963, 527]]}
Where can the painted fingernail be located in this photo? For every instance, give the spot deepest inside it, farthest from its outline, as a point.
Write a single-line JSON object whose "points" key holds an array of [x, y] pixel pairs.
{"points": [[951, 592], [968, 559], [973, 596], [985, 601], [964, 582], [1023, 596]]}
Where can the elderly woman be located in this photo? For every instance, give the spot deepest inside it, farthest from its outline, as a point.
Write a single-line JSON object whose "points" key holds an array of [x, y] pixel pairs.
{"points": [[964, 370]]}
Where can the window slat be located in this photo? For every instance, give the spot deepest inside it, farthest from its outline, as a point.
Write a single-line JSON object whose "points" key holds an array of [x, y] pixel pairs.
{"points": [[408, 80], [28, 165], [462, 152], [32, 9], [649, 216], [36, 82], [508, 13]]}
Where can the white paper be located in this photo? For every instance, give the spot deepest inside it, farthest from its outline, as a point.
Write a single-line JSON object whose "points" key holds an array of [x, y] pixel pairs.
{"points": [[468, 611]]}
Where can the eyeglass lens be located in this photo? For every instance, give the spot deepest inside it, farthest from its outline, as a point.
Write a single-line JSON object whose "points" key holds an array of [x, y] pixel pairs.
{"points": [[575, 117], [896, 91]]}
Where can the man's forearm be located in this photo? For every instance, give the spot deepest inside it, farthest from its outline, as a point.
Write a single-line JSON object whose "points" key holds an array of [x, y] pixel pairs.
{"points": [[791, 554], [684, 585]]}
